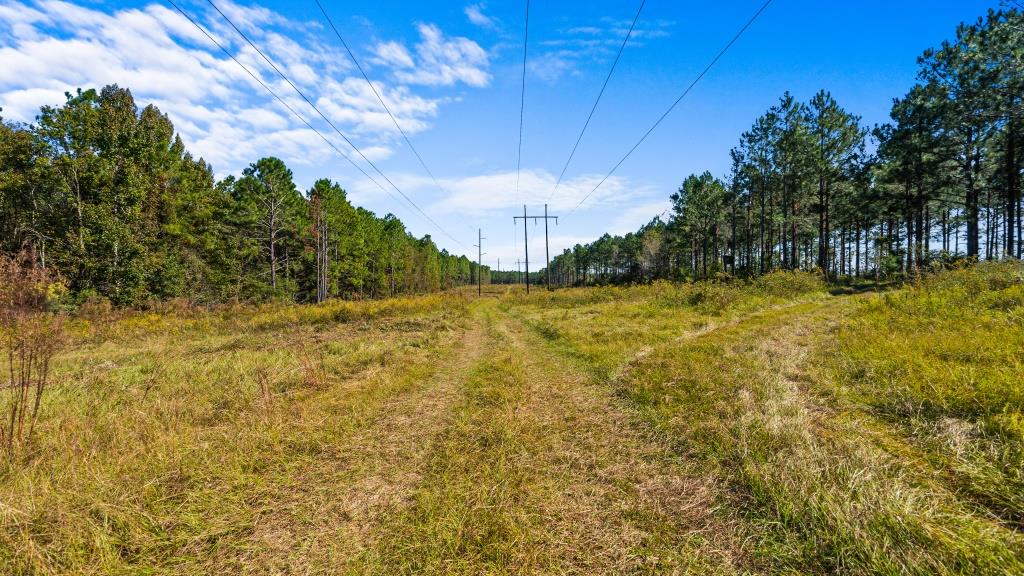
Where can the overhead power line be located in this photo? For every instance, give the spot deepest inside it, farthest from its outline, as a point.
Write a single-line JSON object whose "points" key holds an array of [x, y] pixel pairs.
{"points": [[279, 99], [677, 101], [599, 95], [522, 96], [331, 124], [380, 99]]}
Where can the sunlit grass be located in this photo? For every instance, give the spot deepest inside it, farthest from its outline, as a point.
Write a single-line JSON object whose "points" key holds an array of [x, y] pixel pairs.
{"points": [[944, 362], [721, 427], [167, 438], [823, 486]]}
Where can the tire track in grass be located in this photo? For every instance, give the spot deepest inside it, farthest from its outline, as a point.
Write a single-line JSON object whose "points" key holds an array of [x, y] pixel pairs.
{"points": [[814, 494], [616, 498], [541, 472], [322, 518], [470, 513]]}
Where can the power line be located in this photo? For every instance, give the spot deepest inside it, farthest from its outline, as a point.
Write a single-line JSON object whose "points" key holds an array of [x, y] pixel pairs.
{"points": [[379, 97], [522, 95], [278, 98], [676, 103], [331, 124], [599, 95]]}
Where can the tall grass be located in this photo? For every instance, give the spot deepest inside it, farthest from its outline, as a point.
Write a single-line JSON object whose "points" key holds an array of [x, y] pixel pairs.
{"points": [[876, 433], [730, 373], [817, 494], [944, 362], [171, 436], [708, 296]]}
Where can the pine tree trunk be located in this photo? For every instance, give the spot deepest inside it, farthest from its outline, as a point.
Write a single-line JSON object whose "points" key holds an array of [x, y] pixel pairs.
{"points": [[856, 262], [823, 226], [971, 205], [1011, 183]]}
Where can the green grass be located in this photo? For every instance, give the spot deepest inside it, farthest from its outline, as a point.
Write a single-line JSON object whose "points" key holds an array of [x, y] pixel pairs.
{"points": [[167, 442], [729, 427], [764, 401], [943, 362], [470, 512]]}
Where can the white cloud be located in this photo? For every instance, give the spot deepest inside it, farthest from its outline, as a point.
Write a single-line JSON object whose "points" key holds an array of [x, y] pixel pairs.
{"points": [[439, 61], [376, 152], [636, 216], [562, 56], [481, 194], [550, 66], [354, 102], [250, 18], [394, 54], [587, 30], [50, 47], [475, 13]]}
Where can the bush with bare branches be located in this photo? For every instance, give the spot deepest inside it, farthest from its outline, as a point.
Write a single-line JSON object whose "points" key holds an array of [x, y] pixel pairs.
{"points": [[30, 335]]}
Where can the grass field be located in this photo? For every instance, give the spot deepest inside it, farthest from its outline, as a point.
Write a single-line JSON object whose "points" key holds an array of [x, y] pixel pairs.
{"points": [[770, 427]]}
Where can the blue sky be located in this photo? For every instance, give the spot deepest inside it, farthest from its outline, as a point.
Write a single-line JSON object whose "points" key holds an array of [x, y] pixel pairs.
{"points": [[451, 72]]}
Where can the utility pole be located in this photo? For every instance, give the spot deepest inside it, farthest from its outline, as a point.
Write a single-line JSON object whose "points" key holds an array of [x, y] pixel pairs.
{"points": [[526, 242], [519, 271], [479, 261], [526, 245], [547, 256]]}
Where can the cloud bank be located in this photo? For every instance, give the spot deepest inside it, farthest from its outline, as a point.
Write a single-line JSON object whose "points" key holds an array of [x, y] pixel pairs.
{"points": [[51, 47]]}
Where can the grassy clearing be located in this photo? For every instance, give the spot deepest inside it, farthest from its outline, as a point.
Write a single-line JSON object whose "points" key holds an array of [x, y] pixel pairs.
{"points": [[469, 513], [607, 327], [819, 485], [815, 495], [173, 453], [724, 428], [541, 471]]}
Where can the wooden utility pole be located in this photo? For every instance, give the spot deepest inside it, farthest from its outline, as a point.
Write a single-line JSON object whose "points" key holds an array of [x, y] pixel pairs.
{"points": [[547, 255], [479, 261], [526, 243]]}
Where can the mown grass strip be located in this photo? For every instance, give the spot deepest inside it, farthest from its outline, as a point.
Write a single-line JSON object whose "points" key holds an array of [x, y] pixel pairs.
{"points": [[470, 513]]}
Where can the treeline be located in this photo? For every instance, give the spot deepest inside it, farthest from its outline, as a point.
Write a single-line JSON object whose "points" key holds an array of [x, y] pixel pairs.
{"points": [[812, 188], [109, 198]]}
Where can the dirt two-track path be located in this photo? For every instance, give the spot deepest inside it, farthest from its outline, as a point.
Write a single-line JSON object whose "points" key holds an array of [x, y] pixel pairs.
{"points": [[509, 458]]}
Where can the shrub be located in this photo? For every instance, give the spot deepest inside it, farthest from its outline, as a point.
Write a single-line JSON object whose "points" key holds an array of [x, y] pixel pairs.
{"points": [[30, 335], [785, 284]]}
